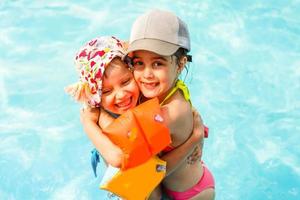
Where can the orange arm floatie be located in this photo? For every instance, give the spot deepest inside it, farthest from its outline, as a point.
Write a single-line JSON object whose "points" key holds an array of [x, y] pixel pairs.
{"points": [[128, 185], [140, 133]]}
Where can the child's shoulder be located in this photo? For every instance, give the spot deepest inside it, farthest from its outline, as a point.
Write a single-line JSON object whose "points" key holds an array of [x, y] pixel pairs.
{"points": [[179, 116], [179, 106]]}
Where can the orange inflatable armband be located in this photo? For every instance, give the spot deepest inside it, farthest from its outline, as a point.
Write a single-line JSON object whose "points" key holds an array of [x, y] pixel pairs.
{"points": [[129, 185], [140, 133]]}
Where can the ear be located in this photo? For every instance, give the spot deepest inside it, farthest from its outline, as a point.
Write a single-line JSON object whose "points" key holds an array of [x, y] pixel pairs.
{"points": [[182, 63]]}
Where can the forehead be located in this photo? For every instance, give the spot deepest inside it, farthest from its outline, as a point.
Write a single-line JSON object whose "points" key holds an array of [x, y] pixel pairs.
{"points": [[148, 54], [115, 66]]}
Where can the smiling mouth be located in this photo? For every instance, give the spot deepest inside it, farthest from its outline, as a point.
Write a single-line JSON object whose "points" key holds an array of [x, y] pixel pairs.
{"points": [[149, 85], [124, 104]]}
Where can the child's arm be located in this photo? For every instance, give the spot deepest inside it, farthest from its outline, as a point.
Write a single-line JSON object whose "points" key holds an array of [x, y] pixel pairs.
{"points": [[192, 148], [111, 153], [174, 158]]}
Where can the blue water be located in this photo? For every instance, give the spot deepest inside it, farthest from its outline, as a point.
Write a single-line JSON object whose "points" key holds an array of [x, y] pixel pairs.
{"points": [[245, 81]]}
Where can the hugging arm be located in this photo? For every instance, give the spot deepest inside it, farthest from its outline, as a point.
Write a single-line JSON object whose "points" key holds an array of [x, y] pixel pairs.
{"points": [[111, 153], [190, 150]]}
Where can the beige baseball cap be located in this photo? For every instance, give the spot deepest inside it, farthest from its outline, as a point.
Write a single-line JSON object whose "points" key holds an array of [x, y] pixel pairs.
{"points": [[159, 31]]}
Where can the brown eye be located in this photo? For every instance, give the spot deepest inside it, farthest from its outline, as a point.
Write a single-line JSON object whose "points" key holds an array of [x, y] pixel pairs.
{"points": [[157, 64], [137, 64]]}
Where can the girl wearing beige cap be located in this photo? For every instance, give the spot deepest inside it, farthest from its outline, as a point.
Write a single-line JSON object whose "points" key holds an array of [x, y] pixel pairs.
{"points": [[159, 43]]}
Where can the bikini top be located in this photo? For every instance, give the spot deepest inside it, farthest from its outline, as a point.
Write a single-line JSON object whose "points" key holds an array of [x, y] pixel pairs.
{"points": [[184, 89]]}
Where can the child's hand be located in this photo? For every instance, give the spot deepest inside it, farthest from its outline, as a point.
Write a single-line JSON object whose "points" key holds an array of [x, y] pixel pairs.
{"points": [[197, 137], [89, 114], [198, 128], [195, 155]]}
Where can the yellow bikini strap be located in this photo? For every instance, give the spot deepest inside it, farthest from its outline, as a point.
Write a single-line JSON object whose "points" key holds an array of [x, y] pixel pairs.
{"points": [[179, 85]]}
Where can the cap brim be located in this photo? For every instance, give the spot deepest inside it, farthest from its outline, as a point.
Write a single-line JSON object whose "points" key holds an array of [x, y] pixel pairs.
{"points": [[156, 46]]}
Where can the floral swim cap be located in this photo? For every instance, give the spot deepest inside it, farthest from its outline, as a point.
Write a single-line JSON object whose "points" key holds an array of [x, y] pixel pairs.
{"points": [[90, 63]]}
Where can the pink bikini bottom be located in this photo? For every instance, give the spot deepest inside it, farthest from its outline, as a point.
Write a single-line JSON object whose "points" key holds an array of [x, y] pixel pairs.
{"points": [[205, 182]]}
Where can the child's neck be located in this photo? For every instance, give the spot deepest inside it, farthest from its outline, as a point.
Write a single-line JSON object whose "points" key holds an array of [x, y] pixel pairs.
{"points": [[165, 95], [161, 98]]}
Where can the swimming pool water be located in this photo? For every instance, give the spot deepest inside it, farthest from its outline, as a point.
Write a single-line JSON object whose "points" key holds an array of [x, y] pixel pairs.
{"points": [[244, 80]]}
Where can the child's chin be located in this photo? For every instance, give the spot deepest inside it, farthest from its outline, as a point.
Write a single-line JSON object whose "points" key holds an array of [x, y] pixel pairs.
{"points": [[150, 95]]}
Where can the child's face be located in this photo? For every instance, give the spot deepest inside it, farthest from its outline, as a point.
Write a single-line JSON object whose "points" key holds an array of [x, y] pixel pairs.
{"points": [[154, 74], [119, 90]]}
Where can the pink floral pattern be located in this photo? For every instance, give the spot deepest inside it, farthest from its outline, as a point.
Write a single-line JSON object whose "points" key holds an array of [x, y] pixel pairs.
{"points": [[90, 63]]}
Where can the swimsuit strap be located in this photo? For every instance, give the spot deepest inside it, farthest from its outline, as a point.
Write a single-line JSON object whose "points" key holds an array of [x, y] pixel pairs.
{"points": [[185, 91]]}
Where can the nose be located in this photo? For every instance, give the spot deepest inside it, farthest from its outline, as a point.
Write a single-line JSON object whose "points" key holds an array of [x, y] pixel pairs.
{"points": [[148, 73], [120, 94]]}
